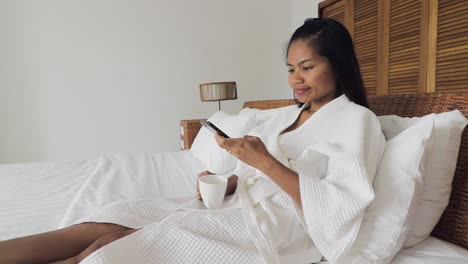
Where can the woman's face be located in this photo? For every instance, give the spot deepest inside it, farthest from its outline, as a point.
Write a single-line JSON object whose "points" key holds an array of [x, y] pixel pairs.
{"points": [[310, 75]]}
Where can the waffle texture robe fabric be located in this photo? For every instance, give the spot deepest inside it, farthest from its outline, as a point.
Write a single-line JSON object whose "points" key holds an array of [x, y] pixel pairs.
{"points": [[336, 153]]}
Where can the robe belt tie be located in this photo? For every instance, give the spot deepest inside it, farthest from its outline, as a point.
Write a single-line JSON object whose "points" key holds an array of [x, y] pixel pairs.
{"points": [[261, 189], [252, 191]]}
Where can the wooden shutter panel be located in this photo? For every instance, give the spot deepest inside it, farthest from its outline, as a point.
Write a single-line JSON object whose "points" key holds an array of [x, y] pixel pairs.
{"points": [[452, 46], [335, 10], [365, 41], [404, 46]]}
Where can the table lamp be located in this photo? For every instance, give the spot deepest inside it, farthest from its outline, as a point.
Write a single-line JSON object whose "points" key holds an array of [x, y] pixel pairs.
{"points": [[218, 91]]}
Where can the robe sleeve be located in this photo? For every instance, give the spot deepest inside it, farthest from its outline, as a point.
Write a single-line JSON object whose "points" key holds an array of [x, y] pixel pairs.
{"points": [[335, 181]]}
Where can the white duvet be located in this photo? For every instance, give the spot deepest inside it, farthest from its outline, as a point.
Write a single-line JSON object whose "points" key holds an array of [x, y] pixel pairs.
{"points": [[119, 177], [39, 197]]}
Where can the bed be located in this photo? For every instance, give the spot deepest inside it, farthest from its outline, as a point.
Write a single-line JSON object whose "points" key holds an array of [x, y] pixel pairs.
{"points": [[38, 197]]}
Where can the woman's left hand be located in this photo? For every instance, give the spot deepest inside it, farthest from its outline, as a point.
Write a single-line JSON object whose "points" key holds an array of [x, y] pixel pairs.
{"points": [[249, 149]]}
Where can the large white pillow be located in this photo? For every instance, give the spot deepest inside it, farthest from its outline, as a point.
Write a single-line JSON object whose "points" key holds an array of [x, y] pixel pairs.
{"points": [[205, 148], [448, 128], [397, 184]]}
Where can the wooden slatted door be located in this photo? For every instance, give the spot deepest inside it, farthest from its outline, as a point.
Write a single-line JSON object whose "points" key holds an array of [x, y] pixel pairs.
{"points": [[333, 9], [365, 41], [452, 46], [404, 46], [407, 46]]}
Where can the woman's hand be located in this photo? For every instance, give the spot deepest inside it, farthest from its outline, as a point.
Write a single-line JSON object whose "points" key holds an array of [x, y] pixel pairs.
{"points": [[249, 149], [252, 151], [201, 174]]}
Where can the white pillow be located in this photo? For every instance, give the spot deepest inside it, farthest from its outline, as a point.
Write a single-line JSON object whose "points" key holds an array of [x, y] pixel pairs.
{"points": [[262, 116], [397, 184], [205, 148], [448, 128]]}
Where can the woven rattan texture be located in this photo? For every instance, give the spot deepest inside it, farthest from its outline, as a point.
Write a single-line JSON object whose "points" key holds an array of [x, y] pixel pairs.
{"points": [[189, 129]]}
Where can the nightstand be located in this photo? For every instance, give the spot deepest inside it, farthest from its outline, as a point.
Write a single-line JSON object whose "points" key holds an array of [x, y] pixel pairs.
{"points": [[188, 131]]}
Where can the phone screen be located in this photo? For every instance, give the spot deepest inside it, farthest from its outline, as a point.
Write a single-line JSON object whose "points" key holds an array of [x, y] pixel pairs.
{"points": [[210, 126]]}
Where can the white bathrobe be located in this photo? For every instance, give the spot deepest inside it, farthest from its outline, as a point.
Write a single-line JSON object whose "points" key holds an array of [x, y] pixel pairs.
{"points": [[336, 153]]}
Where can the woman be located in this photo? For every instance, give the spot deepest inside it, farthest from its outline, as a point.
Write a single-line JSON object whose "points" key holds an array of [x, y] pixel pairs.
{"points": [[305, 179]]}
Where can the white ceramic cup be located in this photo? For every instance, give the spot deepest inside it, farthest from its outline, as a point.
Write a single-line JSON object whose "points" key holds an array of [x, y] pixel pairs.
{"points": [[212, 190]]}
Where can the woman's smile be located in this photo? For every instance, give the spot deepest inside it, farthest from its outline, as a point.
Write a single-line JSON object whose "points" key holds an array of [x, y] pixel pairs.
{"points": [[301, 91]]}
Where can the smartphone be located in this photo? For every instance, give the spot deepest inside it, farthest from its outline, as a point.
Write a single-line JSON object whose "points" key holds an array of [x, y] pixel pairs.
{"points": [[210, 126]]}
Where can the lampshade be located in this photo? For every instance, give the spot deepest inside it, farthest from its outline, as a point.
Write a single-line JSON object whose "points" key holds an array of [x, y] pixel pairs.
{"points": [[218, 91]]}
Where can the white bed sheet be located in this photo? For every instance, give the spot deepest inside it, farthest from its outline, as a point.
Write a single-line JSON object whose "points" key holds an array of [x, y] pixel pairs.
{"points": [[34, 196], [431, 251], [39, 197]]}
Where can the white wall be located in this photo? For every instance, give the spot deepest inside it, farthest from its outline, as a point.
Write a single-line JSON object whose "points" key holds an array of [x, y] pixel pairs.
{"points": [[84, 78], [302, 9]]}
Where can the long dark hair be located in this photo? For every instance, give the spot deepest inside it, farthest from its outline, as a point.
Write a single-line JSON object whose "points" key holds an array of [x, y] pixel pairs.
{"points": [[330, 39]]}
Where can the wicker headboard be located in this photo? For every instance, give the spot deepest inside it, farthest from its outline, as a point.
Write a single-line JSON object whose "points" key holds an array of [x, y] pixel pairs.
{"points": [[453, 225]]}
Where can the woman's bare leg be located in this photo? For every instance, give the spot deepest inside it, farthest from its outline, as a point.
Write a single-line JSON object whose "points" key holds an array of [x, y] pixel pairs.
{"points": [[54, 245], [99, 243]]}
